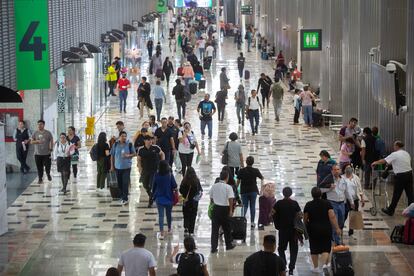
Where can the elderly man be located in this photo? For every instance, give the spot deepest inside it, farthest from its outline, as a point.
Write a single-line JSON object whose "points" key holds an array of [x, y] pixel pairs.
{"points": [[276, 92]]}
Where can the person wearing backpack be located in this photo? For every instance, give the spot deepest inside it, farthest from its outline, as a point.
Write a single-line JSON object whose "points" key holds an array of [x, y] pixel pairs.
{"points": [[101, 156], [206, 110], [190, 263], [178, 93], [122, 153], [254, 108]]}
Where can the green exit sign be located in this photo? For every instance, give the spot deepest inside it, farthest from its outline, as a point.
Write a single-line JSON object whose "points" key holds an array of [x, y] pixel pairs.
{"points": [[311, 40], [246, 10]]}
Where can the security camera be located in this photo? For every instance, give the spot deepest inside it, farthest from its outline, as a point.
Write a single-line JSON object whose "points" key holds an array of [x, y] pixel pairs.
{"points": [[284, 28], [391, 68], [403, 109], [371, 53]]}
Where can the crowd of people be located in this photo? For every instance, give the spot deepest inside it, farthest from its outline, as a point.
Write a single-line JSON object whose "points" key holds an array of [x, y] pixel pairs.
{"points": [[166, 142]]}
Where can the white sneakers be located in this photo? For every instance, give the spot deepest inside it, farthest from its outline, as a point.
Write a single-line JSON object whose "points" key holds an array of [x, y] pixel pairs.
{"points": [[316, 270]]}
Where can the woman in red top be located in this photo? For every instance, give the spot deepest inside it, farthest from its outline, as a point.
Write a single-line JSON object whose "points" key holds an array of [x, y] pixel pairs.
{"points": [[123, 85]]}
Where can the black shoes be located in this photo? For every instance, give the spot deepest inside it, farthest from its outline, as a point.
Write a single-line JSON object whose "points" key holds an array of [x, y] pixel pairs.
{"points": [[49, 177], [290, 272], [230, 247], [213, 251], [150, 203], [40, 181], [387, 211]]}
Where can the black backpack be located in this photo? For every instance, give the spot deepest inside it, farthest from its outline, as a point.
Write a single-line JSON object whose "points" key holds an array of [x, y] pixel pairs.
{"points": [[94, 152], [190, 265]]}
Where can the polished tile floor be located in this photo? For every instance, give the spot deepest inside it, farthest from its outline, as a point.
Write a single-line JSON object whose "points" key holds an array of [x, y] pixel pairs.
{"points": [[84, 233]]}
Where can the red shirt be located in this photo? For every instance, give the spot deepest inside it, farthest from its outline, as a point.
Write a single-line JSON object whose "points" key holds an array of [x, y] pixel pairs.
{"points": [[296, 74], [123, 83]]}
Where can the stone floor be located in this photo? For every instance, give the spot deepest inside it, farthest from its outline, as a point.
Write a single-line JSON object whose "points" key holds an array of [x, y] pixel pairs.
{"points": [[84, 233]]}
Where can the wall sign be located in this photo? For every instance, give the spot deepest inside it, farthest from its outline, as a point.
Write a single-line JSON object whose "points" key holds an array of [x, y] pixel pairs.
{"points": [[162, 6], [311, 40], [32, 44], [71, 57], [246, 10]]}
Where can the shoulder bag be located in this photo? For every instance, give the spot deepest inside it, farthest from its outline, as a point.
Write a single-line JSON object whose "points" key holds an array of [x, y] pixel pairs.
{"points": [[225, 156]]}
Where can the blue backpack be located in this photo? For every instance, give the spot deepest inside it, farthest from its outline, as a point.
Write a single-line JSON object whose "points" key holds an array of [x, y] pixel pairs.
{"points": [[380, 147]]}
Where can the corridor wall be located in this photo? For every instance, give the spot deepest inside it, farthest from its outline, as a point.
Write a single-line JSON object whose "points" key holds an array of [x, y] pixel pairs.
{"points": [[409, 117]]}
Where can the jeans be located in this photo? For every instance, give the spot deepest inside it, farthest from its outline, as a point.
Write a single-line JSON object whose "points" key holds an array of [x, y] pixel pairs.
{"points": [[339, 210], [241, 72], [149, 52], [367, 175], [202, 50], [249, 199], [277, 105], [248, 45], [254, 118], [240, 109], [181, 109], [220, 112], [168, 210], [43, 161], [403, 182], [288, 236], [186, 161], [167, 77], [147, 182], [209, 124], [158, 108], [220, 217], [123, 178], [123, 94], [307, 114], [187, 82], [190, 214], [22, 156], [296, 116]]}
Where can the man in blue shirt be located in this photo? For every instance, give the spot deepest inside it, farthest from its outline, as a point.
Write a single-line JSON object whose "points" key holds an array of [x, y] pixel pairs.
{"points": [[121, 161], [206, 110], [159, 97]]}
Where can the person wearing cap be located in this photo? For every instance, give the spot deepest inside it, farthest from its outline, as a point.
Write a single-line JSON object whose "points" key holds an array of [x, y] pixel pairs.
{"points": [[400, 160], [123, 85], [149, 157], [137, 261], [284, 214], [111, 78]]}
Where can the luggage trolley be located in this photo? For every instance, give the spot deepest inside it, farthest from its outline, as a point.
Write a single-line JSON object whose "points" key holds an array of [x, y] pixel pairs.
{"points": [[379, 188]]}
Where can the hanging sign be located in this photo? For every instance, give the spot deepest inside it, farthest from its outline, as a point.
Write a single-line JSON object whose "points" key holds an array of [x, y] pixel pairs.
{"points": [[32, 44], [311, 40], [162, 6]]}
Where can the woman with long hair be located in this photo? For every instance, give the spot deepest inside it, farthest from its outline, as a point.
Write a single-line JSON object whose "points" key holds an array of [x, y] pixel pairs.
{"points": [[103, 163], [61, 154], [191, 191], [167, 69], [162, 191]]}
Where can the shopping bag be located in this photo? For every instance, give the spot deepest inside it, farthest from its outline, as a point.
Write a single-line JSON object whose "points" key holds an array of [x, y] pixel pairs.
{"points": [[177, 162], [355, 220], [210, 210]]}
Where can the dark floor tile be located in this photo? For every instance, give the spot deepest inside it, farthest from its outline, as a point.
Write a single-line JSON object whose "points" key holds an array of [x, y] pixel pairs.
{"points": [[121, 226]]}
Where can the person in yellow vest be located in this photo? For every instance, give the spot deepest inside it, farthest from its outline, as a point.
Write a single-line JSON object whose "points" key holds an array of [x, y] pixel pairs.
{"points": [[111, 79]]}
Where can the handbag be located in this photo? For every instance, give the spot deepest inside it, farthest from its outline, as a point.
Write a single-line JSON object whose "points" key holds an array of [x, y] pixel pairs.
{"points": [[176, 197], [177, 162], [356, 221], [210, 210], [225, 156]]}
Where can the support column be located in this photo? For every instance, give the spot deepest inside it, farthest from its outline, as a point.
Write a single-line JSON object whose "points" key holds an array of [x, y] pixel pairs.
{"points": [[409, 116]]}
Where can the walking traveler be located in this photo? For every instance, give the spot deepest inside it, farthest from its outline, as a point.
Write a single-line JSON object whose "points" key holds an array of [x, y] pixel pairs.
{"points": [[137, 261], [307, 97], [162, 192], [201, 44], [191, 191], [167, 69], [61, 154], [188, 73], [246, 178], [249, 38], [285, 212], [265, 262], [369, 154], [254, 108], [121, 160], [165, 140], [241, 60], [159, 98], [186, 146], [149, 157], [221, 97], [297, 105], [144, 99], [347, 149], [123, 85], [355, 193], [319, 219], [111, 79], [240, 99], [42, 140], [224, 80], [150, 46], [276, 92], [234, 154], [206, 110], [264, 83], [222, 196], [190, 263], [103, 163], [22, 136], [157, 65], [76, 142], [178, 93], [400, 160], [324, 167]]}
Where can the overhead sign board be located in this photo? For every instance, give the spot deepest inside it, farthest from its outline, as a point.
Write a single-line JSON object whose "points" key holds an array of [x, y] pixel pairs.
{"points": [[32, 44], [311, 40], [162, 6], [246, 9], [71, 57]]}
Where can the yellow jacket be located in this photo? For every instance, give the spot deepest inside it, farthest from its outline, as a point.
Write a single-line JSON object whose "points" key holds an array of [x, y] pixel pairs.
{"points": [[111, 75]]}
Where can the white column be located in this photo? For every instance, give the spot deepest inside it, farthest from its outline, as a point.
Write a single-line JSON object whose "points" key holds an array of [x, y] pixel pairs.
{"points": [[299, 55], [3, 187]]}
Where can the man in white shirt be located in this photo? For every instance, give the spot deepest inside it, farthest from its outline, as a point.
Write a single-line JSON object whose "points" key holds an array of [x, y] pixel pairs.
{"points": [[222, 195], [254, 108], [209, 51], [201, 47], [401, 165], [336, 195], [137, 261]]}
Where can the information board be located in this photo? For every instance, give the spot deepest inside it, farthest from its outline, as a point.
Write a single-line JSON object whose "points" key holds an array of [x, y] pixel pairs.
{"points": [[246, 9]]}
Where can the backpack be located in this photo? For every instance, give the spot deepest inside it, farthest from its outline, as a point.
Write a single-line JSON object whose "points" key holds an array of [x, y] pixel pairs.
{"points": [[94, 152], [190, 265], [187, 95], [256, 98], [130, 146], [380, 147]]}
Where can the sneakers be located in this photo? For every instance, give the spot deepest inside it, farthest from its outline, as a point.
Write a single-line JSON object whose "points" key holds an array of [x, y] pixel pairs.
{"points": [[49, 177], [161, 237], [316, 270], [40, 181], [213, 251], [230, 247], [252, 226], [387, 211], [124, 202]]}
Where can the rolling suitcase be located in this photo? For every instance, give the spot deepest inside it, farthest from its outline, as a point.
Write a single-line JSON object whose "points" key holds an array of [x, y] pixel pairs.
{"points": [[112, 184], [198, 76], [207, 63], [408, 237], [193, 88], [202, 84], [341, 264], [238, 227], [159, 73], [246, 74]]}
